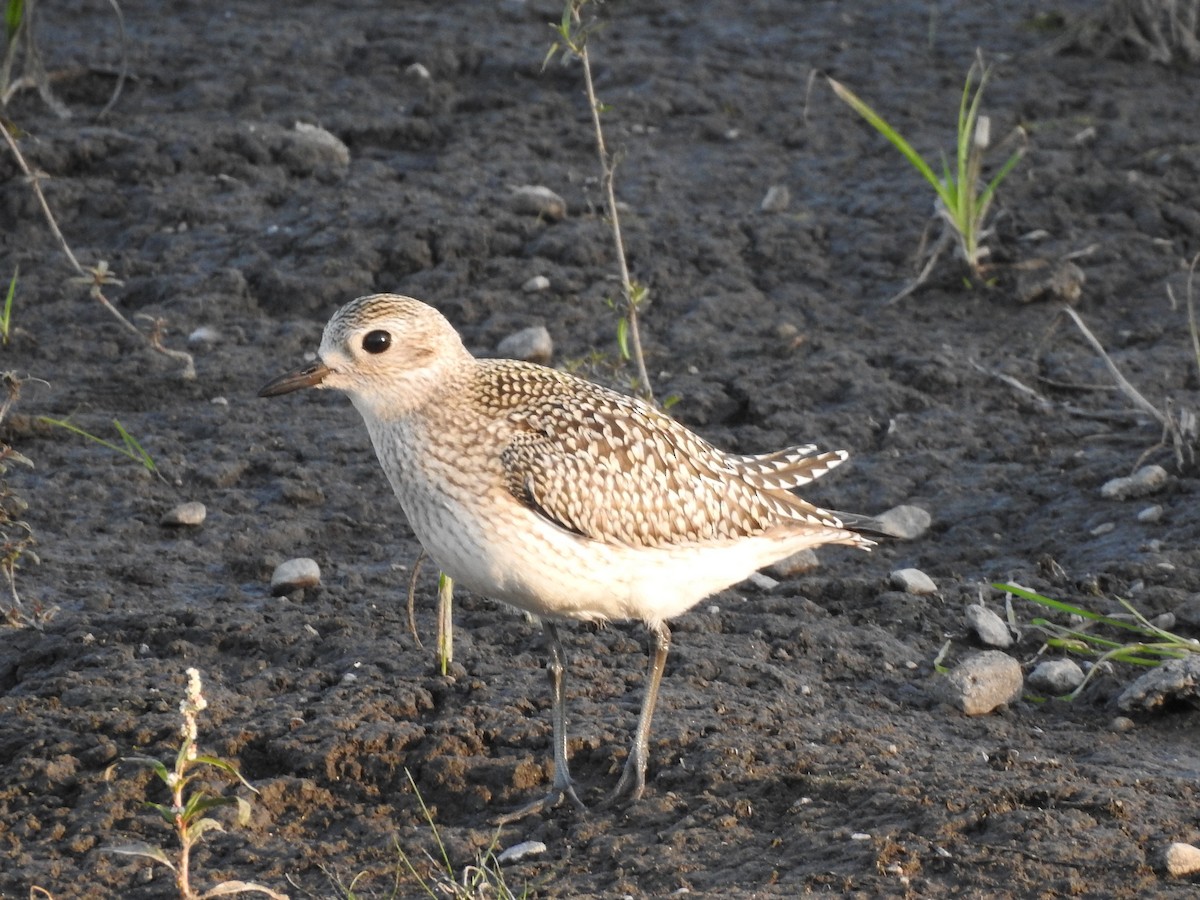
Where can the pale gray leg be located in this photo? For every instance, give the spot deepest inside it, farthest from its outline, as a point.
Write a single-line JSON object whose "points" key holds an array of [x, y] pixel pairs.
{"points": [[633, 778], [563, 786]]}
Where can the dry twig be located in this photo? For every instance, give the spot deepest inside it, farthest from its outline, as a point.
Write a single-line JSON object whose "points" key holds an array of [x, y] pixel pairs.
{"points": [[96, 277]]}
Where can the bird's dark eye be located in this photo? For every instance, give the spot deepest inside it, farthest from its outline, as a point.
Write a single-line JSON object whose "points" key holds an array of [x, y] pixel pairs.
{"points": [[377, 341]]}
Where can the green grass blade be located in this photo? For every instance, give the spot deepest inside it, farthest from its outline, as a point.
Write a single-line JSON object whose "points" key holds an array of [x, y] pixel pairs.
{"points": [[1069, 638], [14, 14], [6, 317], [432, 825], [63, 423], [1066, 607], [985, 199], [133, 449], [623, 337], [129, 445], [881, 125]]}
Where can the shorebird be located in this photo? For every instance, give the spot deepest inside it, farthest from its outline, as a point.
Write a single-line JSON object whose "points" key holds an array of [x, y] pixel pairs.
{"points": [[560, 497]]}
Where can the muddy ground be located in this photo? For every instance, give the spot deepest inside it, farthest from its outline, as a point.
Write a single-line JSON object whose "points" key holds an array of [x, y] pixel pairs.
{"points": [[799, 745]]}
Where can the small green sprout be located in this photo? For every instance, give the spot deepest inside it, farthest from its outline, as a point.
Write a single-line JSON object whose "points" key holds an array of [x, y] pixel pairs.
{"points": [[483, 878], [129, 445], [6, 315], [187, 813], [963, 199], [1151, 645]]}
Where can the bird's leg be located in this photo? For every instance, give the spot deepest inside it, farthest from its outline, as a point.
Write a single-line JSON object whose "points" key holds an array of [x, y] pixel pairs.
{"points": [[633, 778], [563, 786]]}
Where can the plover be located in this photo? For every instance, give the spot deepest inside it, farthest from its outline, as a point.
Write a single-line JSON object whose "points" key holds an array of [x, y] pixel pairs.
{"points": [[560, 497]]}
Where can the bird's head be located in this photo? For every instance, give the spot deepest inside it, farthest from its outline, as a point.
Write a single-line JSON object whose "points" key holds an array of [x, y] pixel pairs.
{"points": [[389, 353]]}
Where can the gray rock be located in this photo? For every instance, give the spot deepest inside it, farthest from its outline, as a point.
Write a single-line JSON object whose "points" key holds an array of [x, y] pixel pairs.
{"points": [[1188, 612], [1145, 480], [763, 582], [988, 627], [530, 344], [982, 683], [188, 514], [294, 575], [912, 581], [905, 522], [796, 564], [536, 284], [1150, 513], [1176, 679], [538, 200], [1056, 677], [321, 144], [1165, 621]]}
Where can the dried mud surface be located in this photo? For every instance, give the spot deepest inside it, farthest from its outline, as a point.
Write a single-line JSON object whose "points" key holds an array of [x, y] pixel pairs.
{"points": [[799, 746]]}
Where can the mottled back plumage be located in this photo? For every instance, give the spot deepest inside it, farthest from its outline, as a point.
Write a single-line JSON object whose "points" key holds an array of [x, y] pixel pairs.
{"points": [[613, 468]]}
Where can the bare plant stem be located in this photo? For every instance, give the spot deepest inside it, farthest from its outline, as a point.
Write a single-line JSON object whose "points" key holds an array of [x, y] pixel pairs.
{"points": [[608, 170], [98, 275], [183, 878]]}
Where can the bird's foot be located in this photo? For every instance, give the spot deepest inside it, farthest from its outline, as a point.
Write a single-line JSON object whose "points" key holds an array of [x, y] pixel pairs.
{"points": [[542, 804], [632, 784]]}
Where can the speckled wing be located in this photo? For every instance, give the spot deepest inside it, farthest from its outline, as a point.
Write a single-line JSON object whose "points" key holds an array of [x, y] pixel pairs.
{"points": [[615, 469]]}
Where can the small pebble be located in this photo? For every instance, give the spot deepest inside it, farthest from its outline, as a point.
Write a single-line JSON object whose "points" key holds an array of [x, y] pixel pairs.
{"points": [[530, 344], [323, 143], [763, 582], [796, 564], [536, 284], [537, 200], [786, 331], [912, 581], [1102, 529], [417, 72], [905, 522], [520, 851], [295, 574], [1056, 677], [185, 514], [1182, 859], [1145, 480], [983, 683], [778, 199], [1165, 621], [1150, 514], [1122, 724], [204, 336], [988, 627]]}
